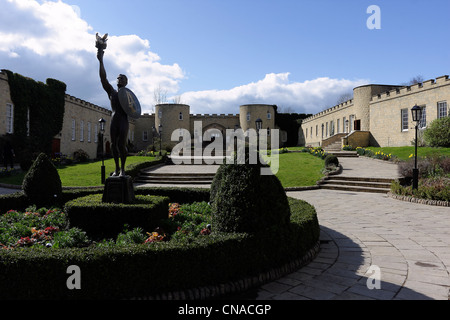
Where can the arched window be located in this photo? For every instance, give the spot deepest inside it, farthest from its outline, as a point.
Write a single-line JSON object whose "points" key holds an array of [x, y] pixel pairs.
{"points": [[248, 116], [269, 115]]}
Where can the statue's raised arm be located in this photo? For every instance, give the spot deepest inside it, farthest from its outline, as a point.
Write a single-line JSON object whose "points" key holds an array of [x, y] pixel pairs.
{"points": [[101, 45]]}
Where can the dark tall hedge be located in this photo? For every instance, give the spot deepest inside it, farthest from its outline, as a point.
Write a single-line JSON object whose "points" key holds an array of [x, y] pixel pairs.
{"points": [[42, 185]]}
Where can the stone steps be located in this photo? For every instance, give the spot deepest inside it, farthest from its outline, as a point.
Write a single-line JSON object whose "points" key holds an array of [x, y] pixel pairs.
{"points": [[175, 178], [357, 184], [192, 160], [346, 154]]}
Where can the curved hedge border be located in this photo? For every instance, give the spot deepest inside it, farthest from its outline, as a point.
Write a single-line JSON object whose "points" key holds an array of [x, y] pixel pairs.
{"points": [[143, 271]]}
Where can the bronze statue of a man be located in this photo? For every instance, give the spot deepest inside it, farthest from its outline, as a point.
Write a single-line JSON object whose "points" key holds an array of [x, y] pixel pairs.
{"points": [[119, 119]]}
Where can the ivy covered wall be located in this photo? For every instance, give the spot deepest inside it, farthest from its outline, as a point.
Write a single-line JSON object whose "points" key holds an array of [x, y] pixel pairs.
{"points": [[39, 105]]}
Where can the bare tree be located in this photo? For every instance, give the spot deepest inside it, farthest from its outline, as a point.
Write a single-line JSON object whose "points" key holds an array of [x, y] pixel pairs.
{"points": [[177, 99], [417, 79], [344, 97], [282, 109], [159, 95]]}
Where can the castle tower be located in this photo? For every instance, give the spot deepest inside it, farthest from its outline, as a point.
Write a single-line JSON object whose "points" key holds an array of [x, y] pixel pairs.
{"points": [[249, 113], [361, 98], [172, 117]]}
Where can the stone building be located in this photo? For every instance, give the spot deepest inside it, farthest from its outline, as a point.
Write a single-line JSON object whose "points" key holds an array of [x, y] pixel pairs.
{"points": [[378, 115], [81, 128]]}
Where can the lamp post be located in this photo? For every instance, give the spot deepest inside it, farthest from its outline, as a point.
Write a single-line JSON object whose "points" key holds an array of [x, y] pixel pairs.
{"points": [[102, 131], [160, 139], [417, 116], [258, 124]]}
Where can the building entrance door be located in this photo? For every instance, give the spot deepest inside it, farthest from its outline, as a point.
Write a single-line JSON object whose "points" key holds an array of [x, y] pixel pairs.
{"points": [[357, 125], [56, 147]]}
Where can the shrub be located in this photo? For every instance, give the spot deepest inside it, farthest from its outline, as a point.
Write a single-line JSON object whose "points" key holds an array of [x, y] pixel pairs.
{"points": [[42, 185], [431, 166], [243, 200], [80, 156], [73, 238], [438, 133], [331, 160], [102, 220]]}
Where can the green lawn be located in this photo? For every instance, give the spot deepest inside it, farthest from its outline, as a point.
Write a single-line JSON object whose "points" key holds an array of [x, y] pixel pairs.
{"points": [[403, 153], [296, 170], [299, 169], [80, 175]]}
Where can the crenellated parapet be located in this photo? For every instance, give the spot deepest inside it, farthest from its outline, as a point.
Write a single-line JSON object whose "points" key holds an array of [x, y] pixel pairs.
{"points": [[336, 108], [85, 104], [412, 89], [216, 116]]}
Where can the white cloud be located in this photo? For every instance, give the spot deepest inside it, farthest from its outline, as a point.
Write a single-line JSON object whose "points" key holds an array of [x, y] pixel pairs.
{"points": [[56, 42], [49, 39], [303, 97]]}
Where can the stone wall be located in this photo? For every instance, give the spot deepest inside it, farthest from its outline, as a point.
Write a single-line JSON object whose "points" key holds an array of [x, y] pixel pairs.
{"points": [[84, 116], [377, 109], [385, 109], [326, 123]]}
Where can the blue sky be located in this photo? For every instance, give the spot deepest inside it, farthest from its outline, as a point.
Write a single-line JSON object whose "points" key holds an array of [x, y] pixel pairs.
{"points": [[218, 54]]}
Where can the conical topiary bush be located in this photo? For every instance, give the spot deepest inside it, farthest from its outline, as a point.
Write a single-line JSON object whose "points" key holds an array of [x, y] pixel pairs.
{"points": [[42, 184], [243, 200]]}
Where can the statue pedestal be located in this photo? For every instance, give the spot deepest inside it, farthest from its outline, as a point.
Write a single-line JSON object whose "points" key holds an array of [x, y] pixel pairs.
{"points": [[118, 190]]}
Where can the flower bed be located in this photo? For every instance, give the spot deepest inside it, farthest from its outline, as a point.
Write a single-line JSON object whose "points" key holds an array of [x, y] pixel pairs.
{"points": [[140, 264]]}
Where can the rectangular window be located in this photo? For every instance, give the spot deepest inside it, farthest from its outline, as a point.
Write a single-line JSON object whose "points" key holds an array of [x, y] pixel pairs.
{"points": [[9, 118], [345, 125], [423, 120], [82, 131], [317, 130], [352, 119], [73, 129], [145, 136], [405, 121], [89, 131], [96, 133], [338, 125], [442, 109]]}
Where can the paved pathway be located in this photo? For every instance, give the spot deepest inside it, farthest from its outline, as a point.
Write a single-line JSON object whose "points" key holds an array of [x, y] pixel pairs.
{"points": [[410, 243]]}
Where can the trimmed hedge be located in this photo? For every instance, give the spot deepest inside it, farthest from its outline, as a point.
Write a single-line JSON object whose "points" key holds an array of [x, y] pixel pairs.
{"points": [[244, 200], [18, 201], [143, 270], [106, 220]]}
